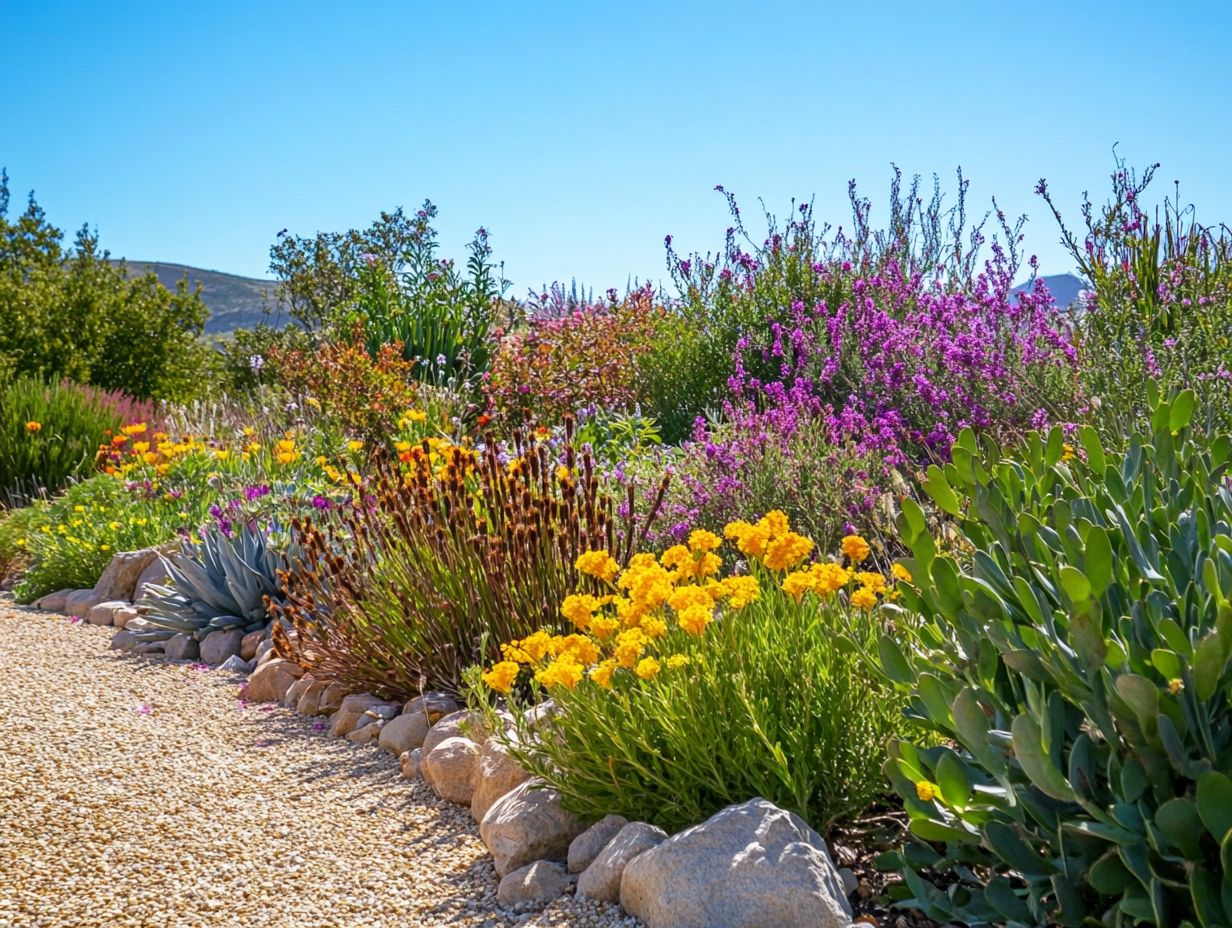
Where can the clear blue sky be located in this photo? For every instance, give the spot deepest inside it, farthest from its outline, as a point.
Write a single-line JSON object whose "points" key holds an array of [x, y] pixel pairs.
{"points": [[580, 133]]}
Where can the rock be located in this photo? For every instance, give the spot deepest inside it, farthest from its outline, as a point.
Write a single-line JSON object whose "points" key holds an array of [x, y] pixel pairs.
{"points": [[528, 824], [154, 574], [457, 724], [536, 715], [270, 681], [433, 705], [182, 647], [351, 711], [851, 882], [52, 602], [397, 735], [119, 579], [297, 690], [124, 641], [410, 762], [149, 647], [498, 774], [80, 602], [366, 734], [748, 866], [265, 651], [601, 880], [104, 612], [586, 846], [331, 699], [236, 664], [452, 768], [249, 644], [217, 646], [537, 884], [309, 702], [121, 617]]}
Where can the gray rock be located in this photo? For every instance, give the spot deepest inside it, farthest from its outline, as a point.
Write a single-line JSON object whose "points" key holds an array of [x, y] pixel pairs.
{"points": [[601, 880], [265, 651], [140, 624], [434, 705], [527, 824], [236, 664], [182, 647], [586, 846], [850, 881], [119, 579], [498, 774], [270, 681], [409, 763], [748, 866], [452, 768], [217, 646], [52, 602], [104, 613], [154, 574], [80, 602], [121, 617], [124, 641], [150, 647], [535, 884]]}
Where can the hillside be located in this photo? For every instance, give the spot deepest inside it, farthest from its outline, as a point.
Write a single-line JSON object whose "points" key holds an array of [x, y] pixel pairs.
{"points": [[1063, 287], [234, 302]]}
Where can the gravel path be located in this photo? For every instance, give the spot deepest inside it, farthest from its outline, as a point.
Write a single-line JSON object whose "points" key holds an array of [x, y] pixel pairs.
{"points": [[141, 793]]}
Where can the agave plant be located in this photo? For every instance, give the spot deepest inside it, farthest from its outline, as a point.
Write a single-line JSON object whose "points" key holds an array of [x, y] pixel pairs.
{"points": [[221, 582]]}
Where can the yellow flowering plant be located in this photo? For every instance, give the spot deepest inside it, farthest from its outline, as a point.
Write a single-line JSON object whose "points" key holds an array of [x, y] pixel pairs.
{"points": [[684, 687]]}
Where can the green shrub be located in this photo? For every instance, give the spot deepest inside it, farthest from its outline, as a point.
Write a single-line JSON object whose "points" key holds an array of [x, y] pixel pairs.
{"points": [[1077, 666], [760, 693], [49, 433]]}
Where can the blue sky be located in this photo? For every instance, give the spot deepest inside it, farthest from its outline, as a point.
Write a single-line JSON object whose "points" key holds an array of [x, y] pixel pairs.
{"points": [[581, 133]]}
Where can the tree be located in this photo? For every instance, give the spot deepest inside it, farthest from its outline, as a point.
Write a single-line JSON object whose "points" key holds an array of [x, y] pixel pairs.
{"points": [[72, 313]]}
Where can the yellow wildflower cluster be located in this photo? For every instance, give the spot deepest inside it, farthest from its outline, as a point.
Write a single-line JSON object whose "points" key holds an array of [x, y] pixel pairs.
{"points": [[633, 621]]}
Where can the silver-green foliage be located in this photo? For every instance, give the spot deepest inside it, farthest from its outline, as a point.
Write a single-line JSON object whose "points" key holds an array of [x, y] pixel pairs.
{"points": [[1077, 664], [217, 583]]}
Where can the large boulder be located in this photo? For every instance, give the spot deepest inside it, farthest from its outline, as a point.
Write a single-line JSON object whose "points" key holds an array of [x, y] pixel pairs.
{"points": [[749, 866], [309, 701], [270, 681], [397, 736], [182, 647], [462, 724], [535, 884], [498, 774], [527, 824], [104, 613], [125, 641], [601, 880], [119, 579], [52, 602], [154, 574], [451, 769], [586, 846], [80, 602], [217, 646]]}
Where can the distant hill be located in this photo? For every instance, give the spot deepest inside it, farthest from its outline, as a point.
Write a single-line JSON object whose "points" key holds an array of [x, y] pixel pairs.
{"points": [[234, 302], [1063, 287]]}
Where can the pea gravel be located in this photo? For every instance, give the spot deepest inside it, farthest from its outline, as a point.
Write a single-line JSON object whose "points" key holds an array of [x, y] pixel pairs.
{"points": [[135, 792]]}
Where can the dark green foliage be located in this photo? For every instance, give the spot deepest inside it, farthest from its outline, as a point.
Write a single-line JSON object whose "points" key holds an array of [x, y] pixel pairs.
{"points": [[72, 313], [1077, 665]]}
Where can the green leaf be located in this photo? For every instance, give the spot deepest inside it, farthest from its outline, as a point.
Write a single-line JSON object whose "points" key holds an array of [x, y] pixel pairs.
{"points": [[1089, 437], [1178, 821], [1140, 694], [1010, 847], [952, 777], [1204, 888], [1029, 750], [1109, 876], [1182, 410], [893, 662], [1097, 559], [1075, 584], [945, 498], [1209, 661], [1167, 663], [1215, 803]]}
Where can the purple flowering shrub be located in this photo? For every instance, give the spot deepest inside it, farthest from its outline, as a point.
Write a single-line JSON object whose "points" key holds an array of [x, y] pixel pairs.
{"points": [[858, 356], [1159, 311]]}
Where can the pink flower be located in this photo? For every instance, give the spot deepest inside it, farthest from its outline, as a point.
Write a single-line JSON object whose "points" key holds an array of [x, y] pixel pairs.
{"points": [[144, 709]]}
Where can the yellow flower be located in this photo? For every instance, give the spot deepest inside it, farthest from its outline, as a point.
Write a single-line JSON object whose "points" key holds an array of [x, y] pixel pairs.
{"points": [[927, 791], [113, 525], [900, 573], [501, 676], [629, 646], [864, 598], [563, 671], [695, 619], [79, 508], [855, 548], [598, 564], [653, 626], [702, 541], [647, 668], [353, 445], [1175, 685], [602, 674], [33, 426], [135, 429], [222, 454], [575, 647], [537, 644], [872, 581], [676, 661], [740, 591], [579, 608], [1067, 451], [787, 550], [603, 627]]}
